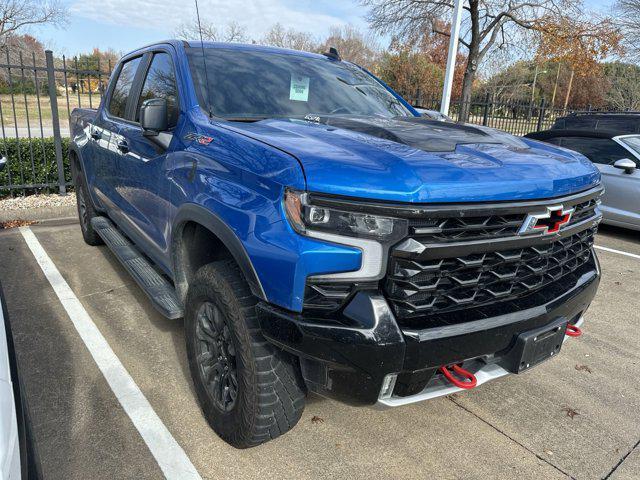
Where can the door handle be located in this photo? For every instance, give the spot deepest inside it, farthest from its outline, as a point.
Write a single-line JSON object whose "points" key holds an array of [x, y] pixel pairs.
{"points": [[123, 146], [96, 134]]}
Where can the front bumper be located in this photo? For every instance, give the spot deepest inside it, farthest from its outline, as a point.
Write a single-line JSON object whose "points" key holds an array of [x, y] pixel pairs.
{"points": [[439, 387], [352, 356]]}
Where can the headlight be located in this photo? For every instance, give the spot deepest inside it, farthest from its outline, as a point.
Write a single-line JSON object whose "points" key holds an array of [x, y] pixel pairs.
{"points": [[305, 217], [372, 234]]}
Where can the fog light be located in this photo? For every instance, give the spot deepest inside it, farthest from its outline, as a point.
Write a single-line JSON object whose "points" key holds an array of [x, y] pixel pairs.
{"points": [[388, 384]]}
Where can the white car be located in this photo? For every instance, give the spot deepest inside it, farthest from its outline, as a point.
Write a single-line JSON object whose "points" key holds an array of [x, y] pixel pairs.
{"points": [[18, 459], [617, 156], [10, 464], [17, 453]]}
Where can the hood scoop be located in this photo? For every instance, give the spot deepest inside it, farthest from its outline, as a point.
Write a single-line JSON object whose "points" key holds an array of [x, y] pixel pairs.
{"points": [[420, 133]]}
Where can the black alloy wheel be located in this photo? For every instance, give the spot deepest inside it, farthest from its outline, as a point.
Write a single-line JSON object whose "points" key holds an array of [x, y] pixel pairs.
{"points": [[216, 356]]}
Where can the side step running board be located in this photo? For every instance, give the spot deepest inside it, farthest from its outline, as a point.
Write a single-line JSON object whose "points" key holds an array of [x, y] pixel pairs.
{"points": [[159, 290]]}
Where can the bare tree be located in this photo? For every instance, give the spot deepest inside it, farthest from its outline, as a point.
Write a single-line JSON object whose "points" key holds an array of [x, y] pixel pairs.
{"points": [[231, 33], [20, 48], [353, 45], [278, 36], [16, 15], [628, 20], [624, 90], [487, 24]]}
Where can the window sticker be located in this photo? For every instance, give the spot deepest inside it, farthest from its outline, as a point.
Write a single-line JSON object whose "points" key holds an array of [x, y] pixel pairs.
{"points": [[299, 90]]}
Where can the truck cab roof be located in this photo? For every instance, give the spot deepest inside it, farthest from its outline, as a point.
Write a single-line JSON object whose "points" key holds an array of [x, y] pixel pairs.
{"points": [[225, 45], [251, 47]]}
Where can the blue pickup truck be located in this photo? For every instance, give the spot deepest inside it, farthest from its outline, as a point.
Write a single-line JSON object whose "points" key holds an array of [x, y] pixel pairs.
{"points": [[317, 234]]}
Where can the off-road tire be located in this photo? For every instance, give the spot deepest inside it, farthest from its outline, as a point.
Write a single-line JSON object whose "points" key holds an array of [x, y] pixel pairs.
{"points": [[86, 212], [270, 393]]}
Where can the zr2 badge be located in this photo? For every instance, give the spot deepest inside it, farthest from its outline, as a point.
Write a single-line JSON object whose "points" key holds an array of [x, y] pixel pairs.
{"points": [[201, 139]]}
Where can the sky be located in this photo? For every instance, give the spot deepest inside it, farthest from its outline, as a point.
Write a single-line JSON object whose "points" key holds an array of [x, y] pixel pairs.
{"points": [[124, 25], [127, 24]]}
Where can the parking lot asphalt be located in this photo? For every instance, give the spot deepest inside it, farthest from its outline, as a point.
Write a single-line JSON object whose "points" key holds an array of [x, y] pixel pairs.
{"points": [[576, 416]]}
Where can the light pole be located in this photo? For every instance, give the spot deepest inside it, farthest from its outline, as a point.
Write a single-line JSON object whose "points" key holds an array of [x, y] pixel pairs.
{"points": [[451, 57], [533, 88], [555, 87]]}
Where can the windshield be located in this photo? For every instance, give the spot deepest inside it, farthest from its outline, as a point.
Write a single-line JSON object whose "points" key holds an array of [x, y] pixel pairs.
{"points": [[252, 84], [632, 142]]}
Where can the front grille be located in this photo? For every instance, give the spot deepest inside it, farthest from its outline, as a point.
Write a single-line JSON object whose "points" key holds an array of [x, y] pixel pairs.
{"points": [[583, 211], [471, 227], [466, 262], [417, 287]]}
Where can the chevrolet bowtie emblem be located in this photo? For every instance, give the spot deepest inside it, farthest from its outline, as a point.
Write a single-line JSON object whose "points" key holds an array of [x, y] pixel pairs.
{"points": [[550, 221]]}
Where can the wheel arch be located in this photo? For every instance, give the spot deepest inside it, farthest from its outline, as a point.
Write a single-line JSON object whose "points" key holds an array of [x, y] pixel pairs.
{"points": [[195, 227], [75, 160]]}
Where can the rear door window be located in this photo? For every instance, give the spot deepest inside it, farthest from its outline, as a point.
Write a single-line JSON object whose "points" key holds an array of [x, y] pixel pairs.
{"points": [[122, 88], [161, 83], [626, 124], [620, 124], [598, 150], [586, 122]]}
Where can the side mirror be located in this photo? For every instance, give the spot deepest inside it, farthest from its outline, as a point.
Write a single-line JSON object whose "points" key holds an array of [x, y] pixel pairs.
{"points": [[3, 163], [153, 116], [625, 164]]}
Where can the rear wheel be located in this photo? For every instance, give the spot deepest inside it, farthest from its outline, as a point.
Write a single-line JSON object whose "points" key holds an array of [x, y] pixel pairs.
{"points": [[86, 212], [249, 391]]}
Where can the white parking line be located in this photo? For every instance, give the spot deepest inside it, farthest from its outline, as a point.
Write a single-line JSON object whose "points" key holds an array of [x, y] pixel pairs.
{"points": [[171, 458], [619, 252]]}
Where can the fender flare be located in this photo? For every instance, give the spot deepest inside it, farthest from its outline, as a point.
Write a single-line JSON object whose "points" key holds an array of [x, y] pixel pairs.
{"points": [[73, 149], [192, 212]]}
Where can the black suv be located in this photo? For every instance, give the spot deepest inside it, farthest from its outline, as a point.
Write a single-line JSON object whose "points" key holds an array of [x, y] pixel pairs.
{"points": [[620, 122]]}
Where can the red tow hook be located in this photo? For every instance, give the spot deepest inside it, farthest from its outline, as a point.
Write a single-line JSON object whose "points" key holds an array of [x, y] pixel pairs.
{"points": [[471, 383], [573, 331]]}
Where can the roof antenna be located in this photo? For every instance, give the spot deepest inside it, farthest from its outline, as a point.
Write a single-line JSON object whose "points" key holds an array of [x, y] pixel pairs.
{"points": [[204, 61], [333, 54]]}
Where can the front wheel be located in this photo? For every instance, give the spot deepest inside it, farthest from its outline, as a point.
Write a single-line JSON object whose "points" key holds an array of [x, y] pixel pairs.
{"points": [[249, 391]]}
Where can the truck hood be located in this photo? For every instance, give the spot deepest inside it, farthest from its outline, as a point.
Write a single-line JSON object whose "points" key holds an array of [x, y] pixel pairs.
{"points": [[422, 160]]}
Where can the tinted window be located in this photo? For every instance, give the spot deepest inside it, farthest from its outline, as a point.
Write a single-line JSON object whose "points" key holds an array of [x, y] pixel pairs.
{"points": [[598, 150], [555, 141], [120, 95], [161, 83], [258, 84], [620, 124], [634, 144]]}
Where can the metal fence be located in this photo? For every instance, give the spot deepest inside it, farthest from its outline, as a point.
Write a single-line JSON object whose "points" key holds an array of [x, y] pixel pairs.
{"points": [[37, 95], [515, 117]]}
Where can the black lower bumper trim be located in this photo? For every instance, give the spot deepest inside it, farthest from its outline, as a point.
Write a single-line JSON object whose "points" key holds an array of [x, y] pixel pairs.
{"points": [[495, 335], [348, 357], [340, 360]]}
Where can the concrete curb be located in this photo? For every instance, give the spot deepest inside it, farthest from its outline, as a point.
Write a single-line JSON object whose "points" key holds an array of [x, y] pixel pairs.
{"points": [[38, 214], [58, 222]]}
